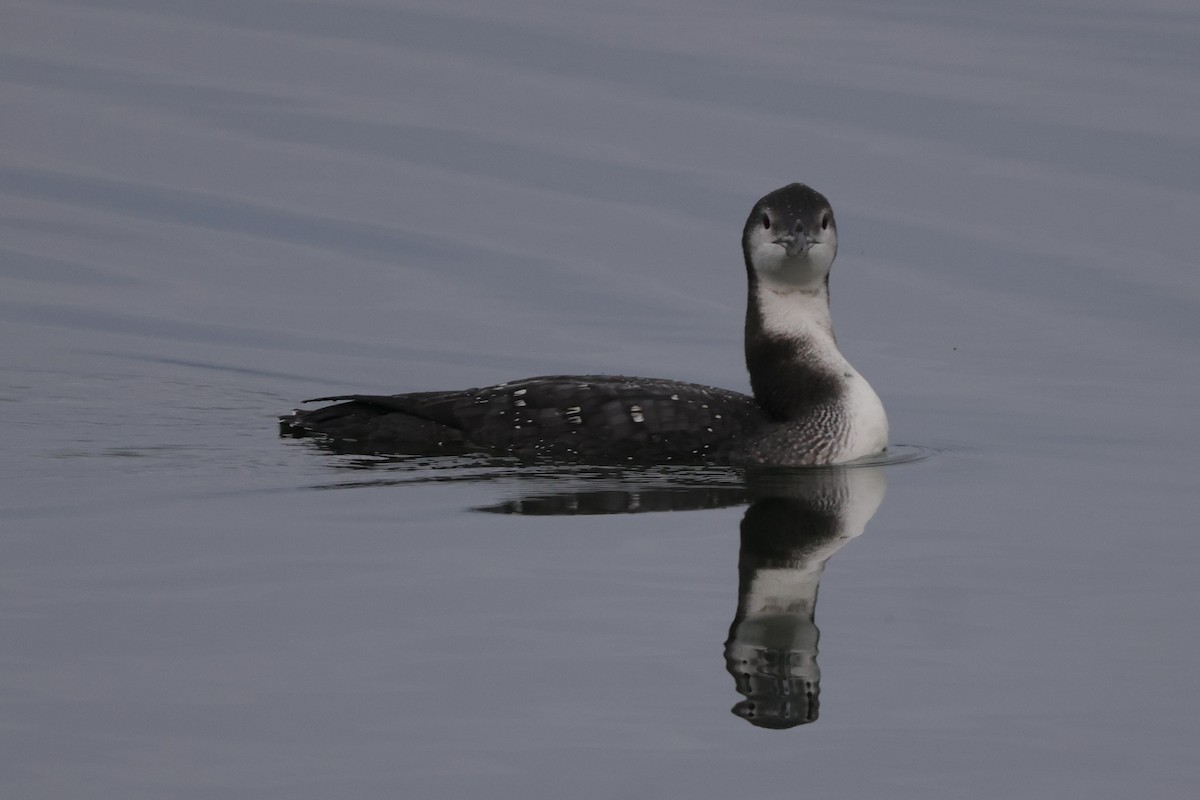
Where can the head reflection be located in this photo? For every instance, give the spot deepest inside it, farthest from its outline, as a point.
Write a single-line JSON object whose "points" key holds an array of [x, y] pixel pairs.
{"points": [[788, 534]]}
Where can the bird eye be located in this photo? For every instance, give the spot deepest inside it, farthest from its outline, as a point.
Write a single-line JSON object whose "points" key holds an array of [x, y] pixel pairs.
{"points": [[766, 222], [824, 222]]}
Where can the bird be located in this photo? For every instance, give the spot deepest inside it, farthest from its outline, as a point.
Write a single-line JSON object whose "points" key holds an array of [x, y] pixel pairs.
{"points": [[808, 406]]}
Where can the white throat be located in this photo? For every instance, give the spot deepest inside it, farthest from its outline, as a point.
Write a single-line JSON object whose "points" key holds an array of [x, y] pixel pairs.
{"points": [[800, 314]]}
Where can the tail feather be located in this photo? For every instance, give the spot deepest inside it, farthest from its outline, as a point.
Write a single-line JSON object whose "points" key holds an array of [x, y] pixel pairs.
{"points": [[375, 423]]}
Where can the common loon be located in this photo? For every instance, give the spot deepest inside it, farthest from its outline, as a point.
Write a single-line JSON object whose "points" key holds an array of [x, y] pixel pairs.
{"points": [[809, 406]]}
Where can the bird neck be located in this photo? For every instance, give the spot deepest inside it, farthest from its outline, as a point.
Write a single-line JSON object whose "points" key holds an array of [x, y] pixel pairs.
{"points": [[791, 352]]}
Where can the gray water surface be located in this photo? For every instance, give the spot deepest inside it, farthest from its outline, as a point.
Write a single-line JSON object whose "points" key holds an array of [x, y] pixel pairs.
{"points": [[211, 211]]}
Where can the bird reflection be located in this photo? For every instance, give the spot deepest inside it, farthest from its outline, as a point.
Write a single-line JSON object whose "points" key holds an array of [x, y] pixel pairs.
{"points": [[787, 538], [796, 520]]}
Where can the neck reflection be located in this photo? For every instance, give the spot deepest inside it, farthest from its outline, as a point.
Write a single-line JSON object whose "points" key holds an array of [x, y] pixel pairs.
{"points": [[788, 535]]}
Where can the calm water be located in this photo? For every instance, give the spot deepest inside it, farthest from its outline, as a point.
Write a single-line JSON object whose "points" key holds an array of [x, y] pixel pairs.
{"points": [[210, 211]]}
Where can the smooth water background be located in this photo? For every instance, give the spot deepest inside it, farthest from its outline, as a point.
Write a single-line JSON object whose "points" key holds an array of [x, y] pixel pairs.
{"points": [[212, 210]]}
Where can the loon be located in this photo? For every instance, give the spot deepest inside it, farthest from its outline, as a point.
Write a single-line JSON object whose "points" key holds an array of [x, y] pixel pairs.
{"points": [[809, 406]]}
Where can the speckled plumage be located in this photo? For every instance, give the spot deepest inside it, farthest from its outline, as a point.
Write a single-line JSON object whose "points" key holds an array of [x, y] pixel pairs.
{"points": [[809, 405], [577, 417]]}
